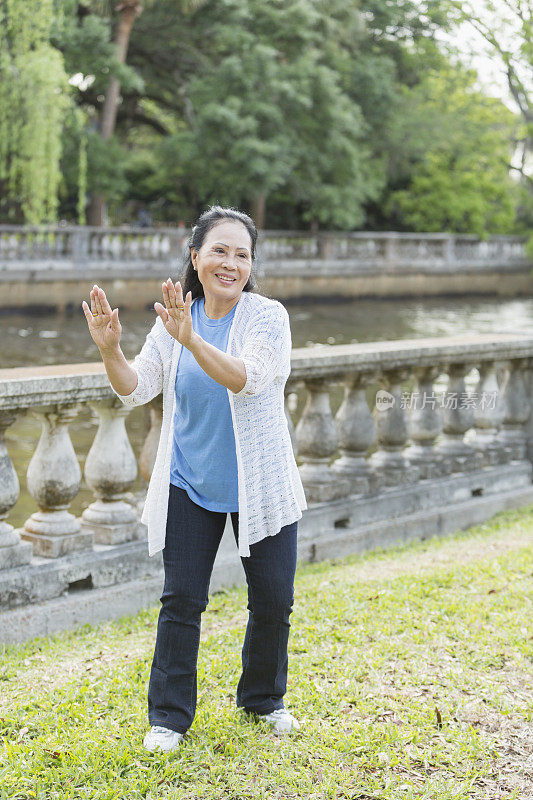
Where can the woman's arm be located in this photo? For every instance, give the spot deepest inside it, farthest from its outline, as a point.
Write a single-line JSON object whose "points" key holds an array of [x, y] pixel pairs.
{"points": [[223, 368], [136, 384], [266, 353], [105, 330], [121, 376]]}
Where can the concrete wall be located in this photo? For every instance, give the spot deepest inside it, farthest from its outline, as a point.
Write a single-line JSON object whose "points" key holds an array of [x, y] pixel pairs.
{"points": [[135, 293]]}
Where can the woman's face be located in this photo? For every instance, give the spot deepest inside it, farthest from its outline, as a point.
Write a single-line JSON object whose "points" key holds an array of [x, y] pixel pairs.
{"points": [[226, 251]]}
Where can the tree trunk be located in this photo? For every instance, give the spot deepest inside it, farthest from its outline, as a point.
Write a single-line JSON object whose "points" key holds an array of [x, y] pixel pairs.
{"points": [[259, 210], [129, 10], [96, 210]]}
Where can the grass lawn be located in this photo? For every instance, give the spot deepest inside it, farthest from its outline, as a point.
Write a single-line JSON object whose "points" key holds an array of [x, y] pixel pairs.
{"points": [[410, 670]]}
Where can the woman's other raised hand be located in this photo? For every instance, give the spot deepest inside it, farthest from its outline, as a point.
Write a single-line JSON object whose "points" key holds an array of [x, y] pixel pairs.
{"points": [[103, 322], [176, 313]]}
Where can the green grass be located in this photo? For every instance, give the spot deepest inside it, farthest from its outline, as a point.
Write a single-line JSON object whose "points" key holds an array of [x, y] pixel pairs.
{"points": [[409, 668]]}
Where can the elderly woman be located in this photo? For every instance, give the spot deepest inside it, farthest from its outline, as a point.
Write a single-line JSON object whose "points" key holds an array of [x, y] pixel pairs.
{"points": [[220, 354]]}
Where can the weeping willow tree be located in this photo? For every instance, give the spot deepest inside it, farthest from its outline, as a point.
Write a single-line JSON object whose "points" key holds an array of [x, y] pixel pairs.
{"points": [[33, 98]]}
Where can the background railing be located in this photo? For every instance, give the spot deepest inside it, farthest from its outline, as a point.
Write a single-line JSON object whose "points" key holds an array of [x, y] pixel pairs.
{"points": [[76, 248]]}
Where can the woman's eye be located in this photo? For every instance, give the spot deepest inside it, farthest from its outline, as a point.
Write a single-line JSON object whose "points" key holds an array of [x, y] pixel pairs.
{"points": [[242, 255]]}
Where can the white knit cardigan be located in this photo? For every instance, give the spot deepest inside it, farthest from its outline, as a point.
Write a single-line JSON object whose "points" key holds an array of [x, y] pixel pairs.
{"points": [[270, 491]]}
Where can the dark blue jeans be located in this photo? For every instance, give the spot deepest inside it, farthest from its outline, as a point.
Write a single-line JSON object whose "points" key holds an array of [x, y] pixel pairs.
{"points": [[192, 539]]}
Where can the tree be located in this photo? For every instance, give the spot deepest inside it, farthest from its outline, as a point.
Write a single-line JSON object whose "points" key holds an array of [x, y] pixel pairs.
{"points": [[128, 11], [456, 143], [262, 113], [507, 28], [33, 100], [303, 112]]}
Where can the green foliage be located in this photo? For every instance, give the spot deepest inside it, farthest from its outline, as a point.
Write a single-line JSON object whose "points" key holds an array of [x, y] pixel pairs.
{"points": [[455, 143], [82, 180], [84, 37], [33, 100], [265, 110], [106, 167], [333, 113]]}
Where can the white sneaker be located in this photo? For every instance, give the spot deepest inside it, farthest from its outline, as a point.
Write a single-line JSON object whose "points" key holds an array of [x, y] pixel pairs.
{"points": [[161, 737], [282, 722]]}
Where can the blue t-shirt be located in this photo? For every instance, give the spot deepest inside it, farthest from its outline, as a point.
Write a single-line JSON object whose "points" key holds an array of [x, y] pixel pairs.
{"points": [[204, 460]]}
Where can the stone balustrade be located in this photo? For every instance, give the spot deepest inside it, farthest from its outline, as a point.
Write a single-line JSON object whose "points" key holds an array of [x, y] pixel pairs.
{"points": [[434, 252], [76, 246], [45, 249], [414, 448]]}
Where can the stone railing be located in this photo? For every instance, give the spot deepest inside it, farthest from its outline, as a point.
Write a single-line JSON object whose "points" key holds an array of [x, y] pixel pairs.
{"points": [[46, 248], [408, 436], [389, 251], [414, 434]]}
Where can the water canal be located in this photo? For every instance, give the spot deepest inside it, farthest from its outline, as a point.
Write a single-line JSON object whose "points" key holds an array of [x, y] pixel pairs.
{"points": [[29, 339]]}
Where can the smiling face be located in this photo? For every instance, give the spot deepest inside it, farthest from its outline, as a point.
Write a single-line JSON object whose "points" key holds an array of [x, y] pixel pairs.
{"points": [[225, 252]]}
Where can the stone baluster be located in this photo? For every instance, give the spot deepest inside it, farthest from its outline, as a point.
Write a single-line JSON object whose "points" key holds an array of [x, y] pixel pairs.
{"points": [[391, 249], [457, 419], [53, 480], [13, 551], [488, 416], [110, 470], [388, 461], [528, 427], [78, 245], [425, 425], [357, 433], [516, 408], [325, 245], [316, 435]]}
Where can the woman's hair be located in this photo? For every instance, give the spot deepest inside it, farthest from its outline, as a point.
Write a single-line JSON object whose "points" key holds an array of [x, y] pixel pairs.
{"points": [[215, 214]]}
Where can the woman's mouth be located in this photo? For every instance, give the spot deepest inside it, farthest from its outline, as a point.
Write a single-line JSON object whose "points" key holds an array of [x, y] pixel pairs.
{"points": [[225, 281]]}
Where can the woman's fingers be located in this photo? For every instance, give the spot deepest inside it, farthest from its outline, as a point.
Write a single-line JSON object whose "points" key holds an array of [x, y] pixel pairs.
{"points": [[98, 302], [161, 311], [114, 319], [172, 293], [166, 297], [104, 302], [87, 312], [96, 308]]}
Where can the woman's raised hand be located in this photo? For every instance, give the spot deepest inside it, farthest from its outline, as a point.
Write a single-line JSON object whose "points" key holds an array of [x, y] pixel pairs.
{"points": [[176, 313], [103, 322]]}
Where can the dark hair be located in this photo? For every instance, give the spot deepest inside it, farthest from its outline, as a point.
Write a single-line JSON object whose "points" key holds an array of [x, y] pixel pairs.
{"points": [[213, 215]]}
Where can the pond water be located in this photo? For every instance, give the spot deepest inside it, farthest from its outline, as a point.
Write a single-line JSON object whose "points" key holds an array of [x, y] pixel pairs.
{"points": [[46, 339]]}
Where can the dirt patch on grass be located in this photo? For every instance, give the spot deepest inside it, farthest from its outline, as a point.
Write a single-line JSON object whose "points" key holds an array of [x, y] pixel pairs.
{"points": [[509, 738], [50, 671], [450, 554]]}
